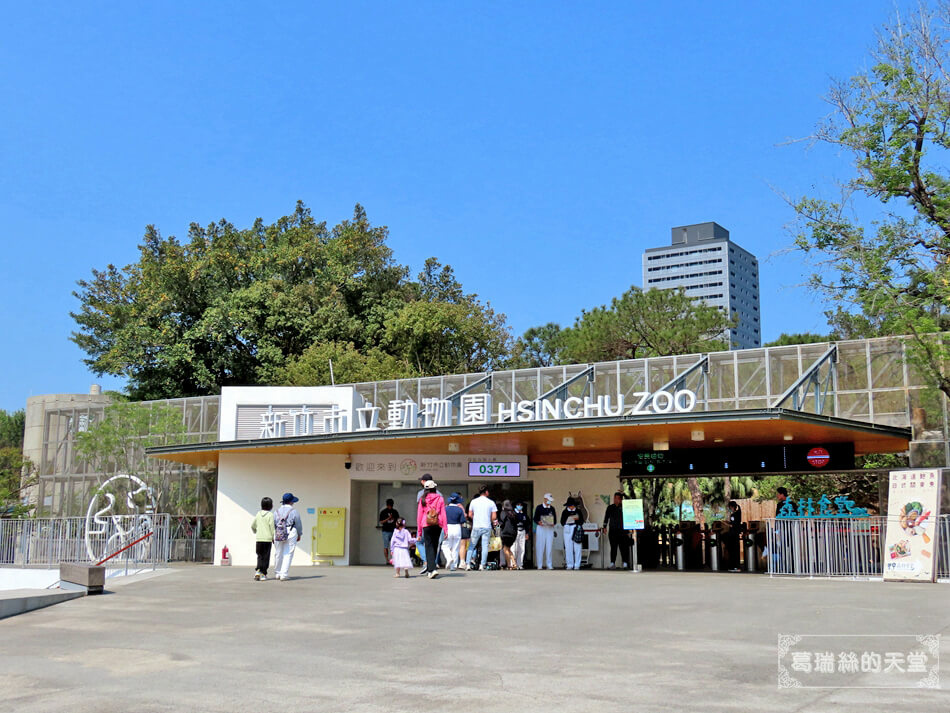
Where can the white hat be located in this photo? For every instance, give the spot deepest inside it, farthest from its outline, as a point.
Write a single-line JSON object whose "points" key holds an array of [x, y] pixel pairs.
{"points": [[548, 496], [429, 485]]}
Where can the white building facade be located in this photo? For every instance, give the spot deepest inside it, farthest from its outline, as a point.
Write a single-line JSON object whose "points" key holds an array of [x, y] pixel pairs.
{"points": [[707, 265]]}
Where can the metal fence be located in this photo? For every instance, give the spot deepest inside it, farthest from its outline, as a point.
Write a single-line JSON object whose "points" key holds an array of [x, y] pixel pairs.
{"points": [[840, 547], [130, 541]]}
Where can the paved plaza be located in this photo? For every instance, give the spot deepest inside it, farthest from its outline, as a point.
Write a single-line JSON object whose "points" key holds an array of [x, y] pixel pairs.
{"points": [[199, 638]]}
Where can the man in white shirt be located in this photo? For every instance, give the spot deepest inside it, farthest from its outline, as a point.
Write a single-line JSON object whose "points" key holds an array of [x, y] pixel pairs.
{"points": [[484, 515]]}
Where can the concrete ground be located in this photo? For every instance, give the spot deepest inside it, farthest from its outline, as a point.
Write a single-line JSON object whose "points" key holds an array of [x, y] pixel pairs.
{"points": [[354, 639]]}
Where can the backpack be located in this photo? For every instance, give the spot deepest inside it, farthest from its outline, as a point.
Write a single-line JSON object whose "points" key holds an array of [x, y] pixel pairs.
{"points": [[509, 525], [281, 526], [432, 516]]}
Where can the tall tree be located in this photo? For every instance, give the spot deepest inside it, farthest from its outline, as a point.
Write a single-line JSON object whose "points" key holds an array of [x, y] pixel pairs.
{"points": [[12, 425], [538, 346], [442, 330], [646, 323], [270, 303], [883, 247]]}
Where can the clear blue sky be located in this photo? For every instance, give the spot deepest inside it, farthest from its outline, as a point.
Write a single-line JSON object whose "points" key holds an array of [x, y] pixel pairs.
{"points": [[538, 147]]}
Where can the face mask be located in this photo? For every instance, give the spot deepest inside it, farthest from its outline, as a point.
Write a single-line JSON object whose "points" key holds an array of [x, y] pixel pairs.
{"points": [[518, 509]]}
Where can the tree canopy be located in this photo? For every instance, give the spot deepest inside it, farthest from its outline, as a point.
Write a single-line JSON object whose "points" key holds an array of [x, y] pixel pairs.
{"points": [[883, 247], [246, 306], [637, 324]]}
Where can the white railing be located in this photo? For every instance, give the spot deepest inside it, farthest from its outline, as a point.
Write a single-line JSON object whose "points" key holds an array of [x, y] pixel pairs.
{"points": [[131, 541], [845, 547]]}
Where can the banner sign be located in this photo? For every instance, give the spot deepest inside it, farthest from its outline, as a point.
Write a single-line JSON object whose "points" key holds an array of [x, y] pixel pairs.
{"points": [[450, 466], [632, 514], [911, 541]]}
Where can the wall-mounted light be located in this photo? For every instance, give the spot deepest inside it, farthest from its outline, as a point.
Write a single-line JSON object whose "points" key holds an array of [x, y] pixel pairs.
{"points": [[718, 440], [698, 435], [788, 437], [567, 441], [659, 445], [453, 447]]}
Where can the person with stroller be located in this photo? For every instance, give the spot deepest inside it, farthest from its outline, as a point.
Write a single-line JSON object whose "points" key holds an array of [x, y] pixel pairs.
{"points": [[571, 519], [483, 513]]}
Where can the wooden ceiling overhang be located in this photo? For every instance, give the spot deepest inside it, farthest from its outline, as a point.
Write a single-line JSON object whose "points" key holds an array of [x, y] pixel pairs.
{"points": [[597, 442]]}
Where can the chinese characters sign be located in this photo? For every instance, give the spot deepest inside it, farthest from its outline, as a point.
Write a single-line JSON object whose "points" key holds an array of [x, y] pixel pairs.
{"points": [[825, 507], [451, 466], [912, 509], [853, 661]]}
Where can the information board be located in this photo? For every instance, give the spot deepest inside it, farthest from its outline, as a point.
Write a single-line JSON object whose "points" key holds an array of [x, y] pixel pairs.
{"points": [[913, 504], [479, 469], [739, 459], [632, 509]]}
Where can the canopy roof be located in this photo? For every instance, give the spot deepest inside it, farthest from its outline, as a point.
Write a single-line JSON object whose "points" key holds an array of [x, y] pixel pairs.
{"points": [[597, 442]]}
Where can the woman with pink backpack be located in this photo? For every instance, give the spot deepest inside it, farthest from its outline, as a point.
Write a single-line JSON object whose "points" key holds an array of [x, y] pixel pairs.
{"points": [[431, 523]]}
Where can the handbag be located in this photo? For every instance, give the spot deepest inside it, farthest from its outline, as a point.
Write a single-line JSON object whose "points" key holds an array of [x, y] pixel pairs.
{"points": [[578, 535], [494, 543]]}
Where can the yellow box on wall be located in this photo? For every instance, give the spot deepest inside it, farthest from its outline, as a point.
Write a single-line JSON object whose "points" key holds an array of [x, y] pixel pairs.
{"points": [[331, 532]]}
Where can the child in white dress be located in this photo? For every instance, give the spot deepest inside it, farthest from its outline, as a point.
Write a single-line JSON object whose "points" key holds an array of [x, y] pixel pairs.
{"points": [[399, 548]]}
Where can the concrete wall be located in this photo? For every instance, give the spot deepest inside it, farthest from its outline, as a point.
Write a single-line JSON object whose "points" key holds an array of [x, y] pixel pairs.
{"points": [[243, 479]]}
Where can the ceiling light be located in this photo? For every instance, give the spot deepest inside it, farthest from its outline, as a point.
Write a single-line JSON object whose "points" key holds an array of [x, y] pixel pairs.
{"points": [[718, 440], [698, 435], [659, 445], [453, 447], [788, 437], [567, 441]]}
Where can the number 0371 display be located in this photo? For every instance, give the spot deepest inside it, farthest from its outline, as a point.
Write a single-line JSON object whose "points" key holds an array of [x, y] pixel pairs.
{"points": [[498, 470]]}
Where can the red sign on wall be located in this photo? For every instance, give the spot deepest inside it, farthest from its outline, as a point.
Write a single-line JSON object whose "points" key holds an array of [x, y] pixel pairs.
{"points": [[818, 457]]}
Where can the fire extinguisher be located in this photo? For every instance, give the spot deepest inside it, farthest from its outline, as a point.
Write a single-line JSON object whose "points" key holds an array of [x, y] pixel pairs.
{"points": [[225, 556]]}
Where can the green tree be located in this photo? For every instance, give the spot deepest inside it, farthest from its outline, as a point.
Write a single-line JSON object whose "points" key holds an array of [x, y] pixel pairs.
{"points": [[350, 366], [12, 425], [646, 323], [785, 339], [883, 248], [16, 477], [233, 306], [441, 330], [538, 346]]}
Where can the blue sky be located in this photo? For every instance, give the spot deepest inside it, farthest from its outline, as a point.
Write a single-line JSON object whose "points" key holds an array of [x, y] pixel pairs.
{"points": [[537, 147]]}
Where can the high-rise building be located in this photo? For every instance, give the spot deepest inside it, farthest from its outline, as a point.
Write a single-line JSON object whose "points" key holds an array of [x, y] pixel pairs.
{"points": [[709, 266]]}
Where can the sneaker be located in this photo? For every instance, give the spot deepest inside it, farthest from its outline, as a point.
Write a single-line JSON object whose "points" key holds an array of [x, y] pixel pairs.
{"points": [[263, 578], [433, 574], [626, 566], [613, 566], [257, 576]]}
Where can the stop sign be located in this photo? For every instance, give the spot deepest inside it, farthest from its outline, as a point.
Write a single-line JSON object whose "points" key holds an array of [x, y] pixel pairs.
{"points": [[818, 457]]}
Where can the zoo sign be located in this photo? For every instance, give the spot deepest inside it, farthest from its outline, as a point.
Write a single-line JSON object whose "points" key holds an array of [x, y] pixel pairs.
{"points": [[573, 407]]}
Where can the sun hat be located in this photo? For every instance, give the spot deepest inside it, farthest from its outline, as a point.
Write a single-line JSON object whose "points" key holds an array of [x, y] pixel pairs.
{"points": [[548, 496], [430, 485], [455, 498], [288, 499], [570, 501]]}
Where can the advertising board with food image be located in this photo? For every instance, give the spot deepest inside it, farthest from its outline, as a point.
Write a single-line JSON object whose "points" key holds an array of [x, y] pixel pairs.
{"points": [[913, 502]]}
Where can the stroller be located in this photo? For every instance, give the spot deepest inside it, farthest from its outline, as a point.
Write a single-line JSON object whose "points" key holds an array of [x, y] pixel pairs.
{"points": [[493, 562]]}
